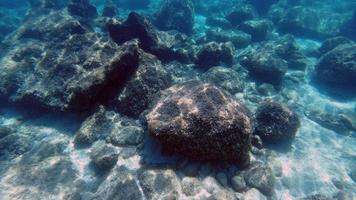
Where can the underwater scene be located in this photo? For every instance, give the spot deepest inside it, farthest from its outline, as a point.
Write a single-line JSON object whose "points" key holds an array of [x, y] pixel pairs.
{"points": [[178, 99]]}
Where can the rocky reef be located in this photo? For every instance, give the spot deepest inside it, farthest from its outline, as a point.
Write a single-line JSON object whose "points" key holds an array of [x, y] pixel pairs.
{"points": [[177, 99]]}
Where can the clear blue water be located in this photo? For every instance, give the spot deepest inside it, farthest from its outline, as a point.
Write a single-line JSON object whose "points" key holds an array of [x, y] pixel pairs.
{"points": [[38, 155]]}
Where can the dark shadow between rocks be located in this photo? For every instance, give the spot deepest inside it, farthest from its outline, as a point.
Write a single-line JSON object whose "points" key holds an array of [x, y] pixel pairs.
{"points": [[341, 93]]}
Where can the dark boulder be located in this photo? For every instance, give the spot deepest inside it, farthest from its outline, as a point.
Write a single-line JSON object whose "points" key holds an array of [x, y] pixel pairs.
{"points": [[304, 21], [202, 122], [82, 8], [176, 15], [141, 89], [165, 45], [265, 66], [262, 6], [215, 54], [275, 123], [348, 29], [336, 70], [89, 69], [331, 43], [110, 10], [135, 26], [258, 29], [240, 15]]}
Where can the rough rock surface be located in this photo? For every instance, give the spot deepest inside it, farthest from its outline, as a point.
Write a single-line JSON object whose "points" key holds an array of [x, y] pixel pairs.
{"points": [[176, 15], [269, 61], [238, 38], [258, 29], [141, 89], [214, 54], [201, 122], [121, 184], [260, 177], [310, 22], [159, 184], [103, 155], [226, 78], [88, 65], [337, 68], [275, 123]]}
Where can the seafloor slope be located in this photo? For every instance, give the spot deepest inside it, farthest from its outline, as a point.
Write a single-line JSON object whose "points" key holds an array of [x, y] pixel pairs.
{"points": [[177, 99]]}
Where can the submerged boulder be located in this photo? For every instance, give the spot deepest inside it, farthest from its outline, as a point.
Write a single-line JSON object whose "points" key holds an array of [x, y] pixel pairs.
{"points": [[140, 90], [159, 184], [103, 155], [336, 70], [135, 26], [269, 61], [119, 184], [275, 123], [265, 66], [202, 122], [176, 15], [304, 21], [238, 38], [95, 127], [214, 54], [261, 177], [226, 78], [82, 8], [258, 29], [240, 15]]}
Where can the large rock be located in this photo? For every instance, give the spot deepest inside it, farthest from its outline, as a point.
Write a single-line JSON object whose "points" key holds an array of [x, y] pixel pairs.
{"points": [[238, 38], [95, 127], [240, 15], [142, 87], [82, 8], [176, 15], [159, 184], [104, 155], [120, 184], [164, 45], [262, 6], [275, 123], [88, 71], [135, 26], [226, 78], [258, 29], [331, 43], [215, 54], [310, 22], [269, 61], [337, 69], [202, 122], [265, 66]]}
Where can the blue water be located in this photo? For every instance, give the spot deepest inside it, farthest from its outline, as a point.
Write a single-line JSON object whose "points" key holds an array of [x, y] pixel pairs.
{"points": [[40, 112]]}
